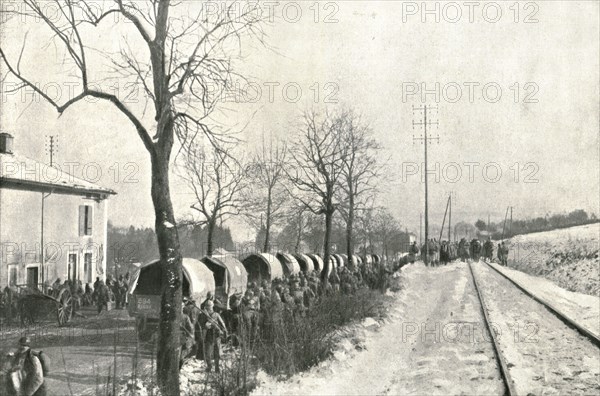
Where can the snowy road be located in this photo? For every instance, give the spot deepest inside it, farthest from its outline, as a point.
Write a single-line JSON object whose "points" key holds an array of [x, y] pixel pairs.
{"points": [[437, 343], [81, 355]]}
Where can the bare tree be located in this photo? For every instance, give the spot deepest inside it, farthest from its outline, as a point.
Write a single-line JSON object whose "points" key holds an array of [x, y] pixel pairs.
{"points": [[359, 172], [295, 230], [316, 169], [217, 179], [181, 57], [386, 227], [366, 230], [268, 195]]}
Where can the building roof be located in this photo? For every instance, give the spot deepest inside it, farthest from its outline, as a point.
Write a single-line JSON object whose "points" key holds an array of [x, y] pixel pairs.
{"points": [[25, 173]]}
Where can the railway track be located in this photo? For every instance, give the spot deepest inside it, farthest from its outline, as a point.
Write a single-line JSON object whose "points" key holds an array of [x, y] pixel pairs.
{"points": [[559, 314], [504, 364]]}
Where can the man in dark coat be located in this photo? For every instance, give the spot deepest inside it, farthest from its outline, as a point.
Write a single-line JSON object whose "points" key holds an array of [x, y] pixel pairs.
{"points": [[444, 252], [214, 328], [102, 296], [9, 302], [488, 250], [504, 249], [250, 313], [187, 336], [26, 375], [95, 291], [116, 289], [414, 252], [475, 249], [463, 250]]}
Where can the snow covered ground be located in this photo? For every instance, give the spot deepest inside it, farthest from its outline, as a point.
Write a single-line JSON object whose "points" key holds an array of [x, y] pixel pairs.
{"points": [[568, 257], [582, 308], [434, 344], [545, 357]]}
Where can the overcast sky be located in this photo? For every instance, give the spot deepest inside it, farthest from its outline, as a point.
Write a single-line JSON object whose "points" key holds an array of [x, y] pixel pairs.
{"points": [[536, 121]]}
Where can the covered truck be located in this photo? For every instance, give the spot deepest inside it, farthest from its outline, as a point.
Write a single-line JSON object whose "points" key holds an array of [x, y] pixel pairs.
{"points": [[145, 291]]}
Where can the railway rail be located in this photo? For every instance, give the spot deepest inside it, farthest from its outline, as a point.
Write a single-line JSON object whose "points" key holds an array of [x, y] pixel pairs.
{"points": [[503, 365], [559, 314]]}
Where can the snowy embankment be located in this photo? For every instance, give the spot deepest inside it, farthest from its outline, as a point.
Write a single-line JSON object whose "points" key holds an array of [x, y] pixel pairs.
{"points": [[568, 257], [581, 308]]}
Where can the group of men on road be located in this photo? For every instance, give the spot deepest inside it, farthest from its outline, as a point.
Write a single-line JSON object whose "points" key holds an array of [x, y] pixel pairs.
{"points": [[114, 290], [445, 252], [100, 294]]}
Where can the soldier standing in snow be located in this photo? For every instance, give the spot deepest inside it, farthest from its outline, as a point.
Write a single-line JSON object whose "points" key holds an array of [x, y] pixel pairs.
{"points": [[488, 250], [414, 252], [251, 309], [215, 329], [463, 250], [187, 336], [475, 249], [504, 259]]}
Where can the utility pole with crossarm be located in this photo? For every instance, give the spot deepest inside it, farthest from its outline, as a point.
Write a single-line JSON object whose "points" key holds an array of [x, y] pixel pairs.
{"points": [[425, 140]]}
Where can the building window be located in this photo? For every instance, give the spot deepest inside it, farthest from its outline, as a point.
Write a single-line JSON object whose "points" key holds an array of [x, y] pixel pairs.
{"points": [[87, 267], [12, 275], [85, 220]]}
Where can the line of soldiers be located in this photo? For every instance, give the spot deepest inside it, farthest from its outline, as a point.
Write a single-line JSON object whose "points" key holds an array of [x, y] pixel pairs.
{"points": [[485, 251], [445, 252], [99, 295], [260, 311], [437, 252]]}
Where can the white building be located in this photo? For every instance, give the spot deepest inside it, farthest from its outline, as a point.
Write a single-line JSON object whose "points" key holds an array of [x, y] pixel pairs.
{"points": [[42, 206]]}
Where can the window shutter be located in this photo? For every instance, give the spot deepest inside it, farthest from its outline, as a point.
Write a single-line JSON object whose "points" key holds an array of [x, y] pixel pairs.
{"points": [[81, 220], [89, 217]]}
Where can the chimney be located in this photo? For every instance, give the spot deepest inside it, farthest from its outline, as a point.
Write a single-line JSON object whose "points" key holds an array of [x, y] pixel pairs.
{"points": [[6, 143]]}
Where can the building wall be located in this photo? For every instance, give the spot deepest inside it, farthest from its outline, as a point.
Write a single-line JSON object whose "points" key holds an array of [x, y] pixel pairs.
{"points": [[406, 240], [21, 239]]}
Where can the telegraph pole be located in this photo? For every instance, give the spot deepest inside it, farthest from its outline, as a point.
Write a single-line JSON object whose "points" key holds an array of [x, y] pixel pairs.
{"points": [[420, 229], [450, 219], [425, 140], [444, 221], [504, 226], [50, 147], [510, 226], [450, 195]]}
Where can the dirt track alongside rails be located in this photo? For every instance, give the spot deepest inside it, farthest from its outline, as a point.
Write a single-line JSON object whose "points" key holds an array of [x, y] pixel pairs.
{"points": [[545, 356], [436, 344]]}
